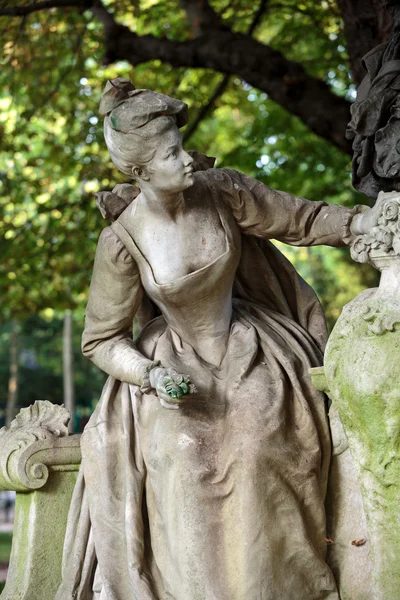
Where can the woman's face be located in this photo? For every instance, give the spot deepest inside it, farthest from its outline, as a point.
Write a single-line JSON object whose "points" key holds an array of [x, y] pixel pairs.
{"points": [[170, 169]]}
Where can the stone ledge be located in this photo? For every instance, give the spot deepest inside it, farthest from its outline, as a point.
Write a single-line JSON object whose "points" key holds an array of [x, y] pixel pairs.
{"points": [[36, 442], [40, 461]]}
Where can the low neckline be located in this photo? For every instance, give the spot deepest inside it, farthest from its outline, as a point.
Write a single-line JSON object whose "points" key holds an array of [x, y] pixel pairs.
{"points": [[192, 273]]}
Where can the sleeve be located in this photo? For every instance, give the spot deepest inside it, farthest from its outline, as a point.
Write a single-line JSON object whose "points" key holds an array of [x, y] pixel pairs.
{"points": [[114, 297], [264, 212]]}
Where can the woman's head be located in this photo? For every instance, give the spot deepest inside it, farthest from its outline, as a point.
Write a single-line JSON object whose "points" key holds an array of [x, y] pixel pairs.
{"points": [[129, 149], [136, 122]]}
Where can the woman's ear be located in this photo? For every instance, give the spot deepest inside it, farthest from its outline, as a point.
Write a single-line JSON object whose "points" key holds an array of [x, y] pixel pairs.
{"points": [[139, 173]]}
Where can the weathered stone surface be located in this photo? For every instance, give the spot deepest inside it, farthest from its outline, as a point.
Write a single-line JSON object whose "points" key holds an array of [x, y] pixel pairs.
{"points": [[34, 429], [40, 462], [235, 473], [346, 522], [362, 370]]}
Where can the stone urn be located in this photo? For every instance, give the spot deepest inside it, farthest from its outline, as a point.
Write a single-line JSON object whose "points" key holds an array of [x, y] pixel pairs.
{"points": [[362, 368]]}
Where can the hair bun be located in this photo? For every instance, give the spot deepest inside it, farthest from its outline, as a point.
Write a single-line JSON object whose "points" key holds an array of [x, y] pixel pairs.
{"points": [[115, 93], [128, 109]]}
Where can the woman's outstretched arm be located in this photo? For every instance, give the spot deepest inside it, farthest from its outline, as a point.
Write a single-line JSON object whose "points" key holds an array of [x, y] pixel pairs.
{"points": [[264, 212]]}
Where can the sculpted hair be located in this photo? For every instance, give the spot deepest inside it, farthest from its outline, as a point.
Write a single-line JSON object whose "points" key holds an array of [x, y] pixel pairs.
{"points": [[136, 148], [134, 119]]}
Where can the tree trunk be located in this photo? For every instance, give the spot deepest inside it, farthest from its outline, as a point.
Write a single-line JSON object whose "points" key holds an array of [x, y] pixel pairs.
{"points": [[68, 371], [213, 45], [285, 81], [367, 23], [12, 397]]}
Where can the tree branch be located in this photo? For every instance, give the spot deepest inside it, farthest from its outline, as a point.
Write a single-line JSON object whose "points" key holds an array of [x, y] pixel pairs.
{"points": [[105, 18], [206, 109], [201, 15], [258, 16], [367, 23], [285, 81], [22, 11], [221, 87]]}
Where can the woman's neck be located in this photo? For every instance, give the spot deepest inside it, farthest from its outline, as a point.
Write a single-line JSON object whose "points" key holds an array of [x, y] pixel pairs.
{"points": [[162, 203]]}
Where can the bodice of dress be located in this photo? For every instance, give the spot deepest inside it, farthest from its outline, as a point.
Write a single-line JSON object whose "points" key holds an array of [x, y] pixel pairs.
{"points": [[197, 306]]}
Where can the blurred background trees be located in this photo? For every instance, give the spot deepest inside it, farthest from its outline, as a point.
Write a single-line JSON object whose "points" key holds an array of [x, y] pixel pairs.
{"points": [[269, 86]]}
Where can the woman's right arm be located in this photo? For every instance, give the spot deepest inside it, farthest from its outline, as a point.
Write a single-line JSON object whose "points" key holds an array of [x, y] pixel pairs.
{"points": [[115, 294], [114, 297]]}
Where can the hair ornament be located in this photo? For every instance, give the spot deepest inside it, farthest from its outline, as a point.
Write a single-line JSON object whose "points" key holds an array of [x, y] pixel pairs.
{"points": [[128, 110], [115, 93]]}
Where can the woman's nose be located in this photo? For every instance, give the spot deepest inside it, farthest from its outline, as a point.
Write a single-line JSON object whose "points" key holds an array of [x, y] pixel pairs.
{"points": [[187, 159]]}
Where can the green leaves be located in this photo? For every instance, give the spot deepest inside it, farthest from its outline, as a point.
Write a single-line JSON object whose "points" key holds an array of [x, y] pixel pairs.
{"points": [[53, 157]]}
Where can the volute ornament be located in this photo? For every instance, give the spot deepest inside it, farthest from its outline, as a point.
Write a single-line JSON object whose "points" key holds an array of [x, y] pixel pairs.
{"points": [[385, 237], [32, 431]]}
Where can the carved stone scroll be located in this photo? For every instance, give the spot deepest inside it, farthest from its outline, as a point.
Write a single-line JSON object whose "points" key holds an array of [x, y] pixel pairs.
{"points": [[39, 460], [30, 445]]}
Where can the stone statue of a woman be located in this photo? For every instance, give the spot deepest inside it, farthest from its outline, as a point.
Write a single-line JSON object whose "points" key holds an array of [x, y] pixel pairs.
{"points": [[221, 497]]}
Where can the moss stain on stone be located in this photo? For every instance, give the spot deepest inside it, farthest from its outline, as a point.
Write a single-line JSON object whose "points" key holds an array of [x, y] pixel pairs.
{"points": [[363, 375]]}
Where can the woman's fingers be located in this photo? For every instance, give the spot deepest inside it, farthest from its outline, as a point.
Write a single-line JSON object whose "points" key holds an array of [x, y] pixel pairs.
{"points": [[172, 387], [168, 405], [165, 400], [178, 385]]}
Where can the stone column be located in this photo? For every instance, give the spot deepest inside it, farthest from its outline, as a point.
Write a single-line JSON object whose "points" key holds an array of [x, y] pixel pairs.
{"points": [[40, 461], [362, 369]]}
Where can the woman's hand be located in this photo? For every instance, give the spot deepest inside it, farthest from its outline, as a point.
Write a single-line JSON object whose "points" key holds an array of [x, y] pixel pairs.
{"points": [[362, 223], [171, 387]]}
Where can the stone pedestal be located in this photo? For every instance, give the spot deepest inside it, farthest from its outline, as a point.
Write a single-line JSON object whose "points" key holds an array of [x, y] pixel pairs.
{"points": [[348, 553], [362, 370], [40, 461]]}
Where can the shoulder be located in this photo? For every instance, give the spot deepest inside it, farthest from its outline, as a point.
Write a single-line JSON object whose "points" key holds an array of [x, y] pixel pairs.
{"points": [[228, 183], [111, 250], [234, 187], [217, 176]]}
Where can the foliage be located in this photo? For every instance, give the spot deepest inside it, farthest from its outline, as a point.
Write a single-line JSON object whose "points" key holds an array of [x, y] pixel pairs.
{"points": [[40, 366], [5, 547]]}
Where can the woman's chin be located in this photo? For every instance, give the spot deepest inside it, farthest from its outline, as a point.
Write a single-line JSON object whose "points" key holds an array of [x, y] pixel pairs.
{"points": [[187, 183], [190, 180]]}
